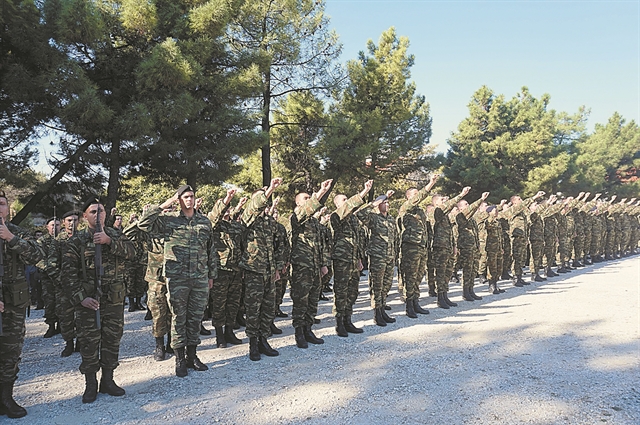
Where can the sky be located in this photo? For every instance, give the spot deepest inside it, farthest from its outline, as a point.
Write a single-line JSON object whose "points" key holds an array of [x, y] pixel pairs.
{"points": [[582, 53]]}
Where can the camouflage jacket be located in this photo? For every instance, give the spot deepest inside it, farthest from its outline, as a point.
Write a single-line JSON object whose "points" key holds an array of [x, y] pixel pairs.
{"points": [[18, 252], [536, 227], [442, 232], [217, 212], [308, 239], [78, 263], [412, 221], [347, 242], [262, 250], [188, 249], [383, 235], [517, 216], [494, 235], [139, 239], [47, 244], [227, 238], [481, 219], [468, 228]]}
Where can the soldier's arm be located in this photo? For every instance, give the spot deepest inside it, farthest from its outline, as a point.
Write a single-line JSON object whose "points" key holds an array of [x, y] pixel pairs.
{"points": [[217, 212], [254, 207], [70, 269], [213, 260], [151, 221], [121, 246], [349, 206], [471, 209], [24, 245], [308, 209]]}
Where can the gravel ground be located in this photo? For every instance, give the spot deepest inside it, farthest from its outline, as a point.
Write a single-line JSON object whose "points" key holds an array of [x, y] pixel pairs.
{"points": [[566, 351]]}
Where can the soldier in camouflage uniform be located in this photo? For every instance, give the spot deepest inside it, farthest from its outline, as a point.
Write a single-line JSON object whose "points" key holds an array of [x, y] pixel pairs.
{"points": [[99, 341], [469, 244], [347, 251], [550, 221], [190, 267], [382, 249], [262, 263], [135, 272], [494, 247], [281, 285], [18, 249], [309, 259], [415, 237], [443, 245], [481, 219], [536, 239], [48, 245], [328, 243]]}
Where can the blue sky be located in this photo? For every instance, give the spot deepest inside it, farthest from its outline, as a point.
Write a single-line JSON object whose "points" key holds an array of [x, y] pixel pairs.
{"points": [[580, 52]]}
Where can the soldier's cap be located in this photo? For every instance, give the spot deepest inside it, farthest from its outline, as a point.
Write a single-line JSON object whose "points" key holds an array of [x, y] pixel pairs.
{"points": [[491, 208], [50, 220], [381, 198], [91, 201], [69, 214], [184, 188]]}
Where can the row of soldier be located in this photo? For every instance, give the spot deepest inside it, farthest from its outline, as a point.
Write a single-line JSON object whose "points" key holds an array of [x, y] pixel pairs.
{"points": [[235, 263]]}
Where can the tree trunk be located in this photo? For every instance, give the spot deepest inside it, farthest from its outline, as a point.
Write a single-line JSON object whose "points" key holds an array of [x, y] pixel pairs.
{"points": [[47, 186], [266, 148]]}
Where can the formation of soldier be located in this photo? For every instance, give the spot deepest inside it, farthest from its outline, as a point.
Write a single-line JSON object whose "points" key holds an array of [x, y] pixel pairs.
{"points": [[233, 266]]}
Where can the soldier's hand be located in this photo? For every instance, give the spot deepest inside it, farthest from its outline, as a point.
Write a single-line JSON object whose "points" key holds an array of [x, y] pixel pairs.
{"points": [[390, 193], [5, 233], [242, 201], [485, 195], [114, 210], [613, 198], [276, 182], [632, 201], [275, 202], [482, 207], [326, 185], [360, 266], [210, 283], [90, 303], [623, 200], [101, 238], [229, 197], [597, 196], [368, 185], [276, 276], [198, 203], [324, 270], [503, 201], [434, 178], [466, 190], [580, 195], [539, 194], [1, 307]]}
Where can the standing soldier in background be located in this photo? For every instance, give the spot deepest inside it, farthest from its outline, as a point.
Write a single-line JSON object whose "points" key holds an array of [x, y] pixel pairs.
{"points": [[551, 239], [135, 270], [347, 249], [309, 260], [281, 284], [536, 237], [469, 245], [190, 266], [18, 249], [414, 249], [99, 341], [443, 245], [382, 249], [494, 247], [481, 219], [48, 245]]}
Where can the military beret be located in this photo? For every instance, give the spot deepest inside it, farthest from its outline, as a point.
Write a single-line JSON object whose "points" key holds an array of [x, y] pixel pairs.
{"points": [[50, 219], [91, 201], [381, 198], [69, 214], [491, 208], [185, 188]]}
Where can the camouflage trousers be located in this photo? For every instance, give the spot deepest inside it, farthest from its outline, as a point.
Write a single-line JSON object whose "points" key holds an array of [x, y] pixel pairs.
{"points": [[49, 298], [66, 313], [281, 289], [305, 293], [507, 258], [11, 342], [494, 264], [100, 348], [586, 243], [159, 307], [187, 300], [550, 248], [380, 280], [482, 262], [537, 252], [578, 247], [444, 262], [134, 278], [431, 270], [413, 266], [260, 304], [564, 248], [469, 260], [224, 298], [346, 280], [327, 277], [519, 253]]}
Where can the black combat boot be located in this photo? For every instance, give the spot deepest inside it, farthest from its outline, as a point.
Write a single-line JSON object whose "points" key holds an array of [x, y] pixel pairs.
{"points": [[410, 310], [466, 295], [181, 363], [551, 273], [493, 288], [535, 277], [522, 281], [148, 316], [230, 337], [377, 317], [323, 297], [132, 305], [432, 290], [517, 281], [417, 308], [275, 330], [193, 362], [301, 342], [387, 307], [221, 342], [506, 276], [451, 303], [265, 348], [280, 313], [90, 388], [473, 294], [442, 302], [309, 336], [240, 320], [204, 331], [139, 305], [8, 405], [340, 330], [386, 317], [350, 327], [51, 331], [108, 385], [159, 353], [168, 348], [68, 349], [254, 352]]}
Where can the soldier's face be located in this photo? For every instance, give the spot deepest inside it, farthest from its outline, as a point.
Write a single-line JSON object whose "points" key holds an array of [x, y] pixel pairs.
{"points": [[92, 212], [188, 200], [4, 208], [53, 227], [71, 222], [118, 221], [384, 207]]}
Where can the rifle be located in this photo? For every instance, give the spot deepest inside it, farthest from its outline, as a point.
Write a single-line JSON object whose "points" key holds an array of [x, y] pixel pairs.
{"points": [[1, 271], [99, 269]]}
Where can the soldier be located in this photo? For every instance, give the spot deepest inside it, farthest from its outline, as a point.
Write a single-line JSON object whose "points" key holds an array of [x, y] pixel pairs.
{"points": [[507, 259], [98, 334], [536, 239], [494, 247], [551, 242], [443, 245], [135, 270], [285, 248], [262, 263], [190, 267], [309, 259], [415, 241], [347, 251], [18, 249], [469, 245], [382, 249], [481, 219], [48, 245]]}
